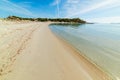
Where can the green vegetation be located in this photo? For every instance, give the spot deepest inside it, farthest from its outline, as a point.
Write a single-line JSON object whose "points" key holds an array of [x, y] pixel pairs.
{"points": [[73, 25], [68, 20]]}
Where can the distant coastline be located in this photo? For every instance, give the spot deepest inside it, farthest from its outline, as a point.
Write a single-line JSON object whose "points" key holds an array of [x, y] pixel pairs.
{"points": [[61, 20]]}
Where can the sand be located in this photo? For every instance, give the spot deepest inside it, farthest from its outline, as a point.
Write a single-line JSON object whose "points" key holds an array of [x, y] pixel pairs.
{"points": [[30, 51]]}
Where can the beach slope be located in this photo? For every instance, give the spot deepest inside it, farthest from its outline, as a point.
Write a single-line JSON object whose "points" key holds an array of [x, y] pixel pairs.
{"points": [[30, 51]]}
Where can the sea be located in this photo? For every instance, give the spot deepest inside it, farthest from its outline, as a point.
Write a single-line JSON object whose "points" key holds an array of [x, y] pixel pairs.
{"points": [[99, 43]]}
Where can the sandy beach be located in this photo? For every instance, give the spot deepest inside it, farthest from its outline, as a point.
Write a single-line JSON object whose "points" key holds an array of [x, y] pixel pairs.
{"points": [[30, 51]]}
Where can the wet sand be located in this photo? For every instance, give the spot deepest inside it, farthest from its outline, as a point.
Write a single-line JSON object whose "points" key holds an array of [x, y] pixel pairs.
{"points": [[30, 51]]}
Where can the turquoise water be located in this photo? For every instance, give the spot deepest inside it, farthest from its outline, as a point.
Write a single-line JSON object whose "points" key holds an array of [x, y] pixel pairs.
{"points": [[98, 42]]}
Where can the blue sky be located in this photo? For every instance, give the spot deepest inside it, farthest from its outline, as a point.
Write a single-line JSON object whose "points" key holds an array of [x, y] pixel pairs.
{"points": [[91, 10]]}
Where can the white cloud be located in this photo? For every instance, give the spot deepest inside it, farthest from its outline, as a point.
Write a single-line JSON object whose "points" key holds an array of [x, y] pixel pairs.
{"points": [[14, 8], [71, 6], [56, 2], [77, 7], [115, 19], [25, 4]]}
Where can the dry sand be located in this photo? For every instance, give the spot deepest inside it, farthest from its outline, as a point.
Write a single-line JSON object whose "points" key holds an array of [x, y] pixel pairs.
{"points": [[30, 51]]}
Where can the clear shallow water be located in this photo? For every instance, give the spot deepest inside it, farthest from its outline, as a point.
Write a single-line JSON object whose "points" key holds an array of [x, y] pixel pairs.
{"points": [[98, 42]]}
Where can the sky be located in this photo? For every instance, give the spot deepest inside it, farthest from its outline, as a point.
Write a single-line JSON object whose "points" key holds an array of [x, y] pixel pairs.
{"points": [[105, 11]]}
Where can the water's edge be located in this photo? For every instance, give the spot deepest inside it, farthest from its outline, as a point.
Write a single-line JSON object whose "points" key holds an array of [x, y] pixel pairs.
{"points": [[87, 58]]}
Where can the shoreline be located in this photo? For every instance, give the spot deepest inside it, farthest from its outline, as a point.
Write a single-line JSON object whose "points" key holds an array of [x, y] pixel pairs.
{"points": [[77, 52], [43, 56], [85, 58]]}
